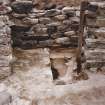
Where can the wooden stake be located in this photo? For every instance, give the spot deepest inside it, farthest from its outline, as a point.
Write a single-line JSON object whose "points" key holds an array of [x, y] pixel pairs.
{"points": [[83, 8]]}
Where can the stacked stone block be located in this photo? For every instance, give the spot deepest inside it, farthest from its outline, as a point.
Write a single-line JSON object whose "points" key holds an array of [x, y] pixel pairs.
{"points": [[95, 39]]}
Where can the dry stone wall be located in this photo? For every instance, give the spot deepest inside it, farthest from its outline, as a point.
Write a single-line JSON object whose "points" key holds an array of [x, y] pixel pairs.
{"points": [[55, 27]]}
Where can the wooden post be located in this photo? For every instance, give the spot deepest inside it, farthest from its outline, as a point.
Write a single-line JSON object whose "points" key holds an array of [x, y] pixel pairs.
{"points": [[84, 5]]}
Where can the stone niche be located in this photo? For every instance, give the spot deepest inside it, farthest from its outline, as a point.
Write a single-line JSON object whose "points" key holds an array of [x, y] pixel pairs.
{"points": [[63, 63]]}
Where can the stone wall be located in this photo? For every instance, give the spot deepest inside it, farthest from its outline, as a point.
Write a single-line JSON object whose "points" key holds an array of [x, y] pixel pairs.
{"points": [[55, 27]]}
